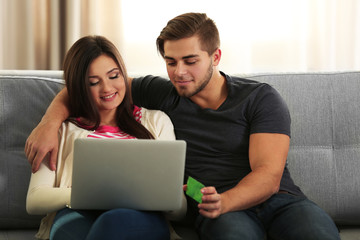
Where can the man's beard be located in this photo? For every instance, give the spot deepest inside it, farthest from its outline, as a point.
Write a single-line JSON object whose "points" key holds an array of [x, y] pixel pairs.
{"points": [[205, 82]]}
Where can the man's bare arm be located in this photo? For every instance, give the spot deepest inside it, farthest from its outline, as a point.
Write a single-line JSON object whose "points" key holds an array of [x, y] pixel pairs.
{"points": [[267, 154], [43, 139]]}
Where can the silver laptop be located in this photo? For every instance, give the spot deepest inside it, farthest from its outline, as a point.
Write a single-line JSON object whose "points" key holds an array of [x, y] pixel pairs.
{"points": [[136, 174]]}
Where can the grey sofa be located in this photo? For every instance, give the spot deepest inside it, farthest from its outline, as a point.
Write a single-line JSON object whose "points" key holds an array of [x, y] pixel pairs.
{"points": [[324, 158]]}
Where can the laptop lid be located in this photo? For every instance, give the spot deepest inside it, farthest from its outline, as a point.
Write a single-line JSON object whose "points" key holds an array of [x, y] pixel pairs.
{"points": [[136, 174]]}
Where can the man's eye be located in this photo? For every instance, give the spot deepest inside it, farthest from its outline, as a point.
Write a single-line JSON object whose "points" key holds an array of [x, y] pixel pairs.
{"points": [[191, 63], [171, 64]]}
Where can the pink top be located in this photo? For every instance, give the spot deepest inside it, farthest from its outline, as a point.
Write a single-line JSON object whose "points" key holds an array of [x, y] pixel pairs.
{"points": [[106, 131]]}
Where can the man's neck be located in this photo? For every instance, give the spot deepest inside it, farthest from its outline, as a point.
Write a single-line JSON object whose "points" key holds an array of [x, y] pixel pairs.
{"points": [[214, 94]]}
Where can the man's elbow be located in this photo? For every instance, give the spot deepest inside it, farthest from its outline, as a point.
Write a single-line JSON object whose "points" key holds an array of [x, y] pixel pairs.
{"points": [[276, 188]]}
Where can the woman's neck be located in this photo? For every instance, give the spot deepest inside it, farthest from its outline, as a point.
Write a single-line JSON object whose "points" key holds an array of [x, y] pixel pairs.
{"points": [[108, 118]]}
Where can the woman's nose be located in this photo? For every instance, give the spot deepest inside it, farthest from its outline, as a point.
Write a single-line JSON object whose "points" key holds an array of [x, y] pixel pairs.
{"points": [[106, 86]]}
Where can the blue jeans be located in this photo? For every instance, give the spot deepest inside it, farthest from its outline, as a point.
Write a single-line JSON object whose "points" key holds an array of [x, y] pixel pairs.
{"points": [[283, 216], [113, 224]]}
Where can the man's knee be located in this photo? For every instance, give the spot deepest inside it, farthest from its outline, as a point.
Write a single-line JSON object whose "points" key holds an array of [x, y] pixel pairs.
{"points": [[303, 220], [234, 225]]}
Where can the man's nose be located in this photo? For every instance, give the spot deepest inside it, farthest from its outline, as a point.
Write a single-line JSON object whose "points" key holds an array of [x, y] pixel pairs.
{"points": [[180, 69]]}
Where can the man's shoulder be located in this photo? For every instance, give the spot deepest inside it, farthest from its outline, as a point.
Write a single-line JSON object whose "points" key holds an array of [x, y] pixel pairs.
{"points": [[150, 83], [243, 86], [149, 78], [242, 80], [153, 92]]}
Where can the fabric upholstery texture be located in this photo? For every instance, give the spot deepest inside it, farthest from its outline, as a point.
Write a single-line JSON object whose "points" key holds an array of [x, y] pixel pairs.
{"points": [[324, 156], [23, 101]]}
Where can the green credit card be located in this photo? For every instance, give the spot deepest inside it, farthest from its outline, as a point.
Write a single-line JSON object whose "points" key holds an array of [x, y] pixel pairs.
{"points": [[193, 189]]}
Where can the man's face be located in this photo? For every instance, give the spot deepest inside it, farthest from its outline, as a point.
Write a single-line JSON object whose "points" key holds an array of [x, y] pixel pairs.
{"points": [[189, 68]]}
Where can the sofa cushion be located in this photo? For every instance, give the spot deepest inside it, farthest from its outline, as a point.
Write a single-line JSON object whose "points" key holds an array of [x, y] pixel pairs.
{"points": [[324, 156], [23, 101]]}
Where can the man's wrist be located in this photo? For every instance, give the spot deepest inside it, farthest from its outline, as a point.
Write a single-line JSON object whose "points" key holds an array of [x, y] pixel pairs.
{"points": [[51, 122], [224, 205]]}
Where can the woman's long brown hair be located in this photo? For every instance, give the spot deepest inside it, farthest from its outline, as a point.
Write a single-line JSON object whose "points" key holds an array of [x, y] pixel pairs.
{"points": [[76, 68]]}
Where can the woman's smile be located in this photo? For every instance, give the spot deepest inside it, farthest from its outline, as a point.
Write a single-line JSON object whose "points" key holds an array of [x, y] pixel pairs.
{"points": [[109, 97]]}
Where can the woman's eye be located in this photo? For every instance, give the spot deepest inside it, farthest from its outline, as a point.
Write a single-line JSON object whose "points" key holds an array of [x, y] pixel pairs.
{"points": [[93, 83], [114, 76]]}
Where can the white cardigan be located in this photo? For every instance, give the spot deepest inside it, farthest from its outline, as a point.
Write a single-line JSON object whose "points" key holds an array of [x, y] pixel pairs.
{"points": [[49, 191]]}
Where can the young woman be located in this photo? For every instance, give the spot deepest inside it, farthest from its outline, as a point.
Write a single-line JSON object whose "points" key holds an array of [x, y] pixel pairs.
{"points": [[100, 107]]}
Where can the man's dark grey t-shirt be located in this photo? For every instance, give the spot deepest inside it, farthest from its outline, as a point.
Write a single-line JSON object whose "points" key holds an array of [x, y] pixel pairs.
{"points": [[218, 140]]}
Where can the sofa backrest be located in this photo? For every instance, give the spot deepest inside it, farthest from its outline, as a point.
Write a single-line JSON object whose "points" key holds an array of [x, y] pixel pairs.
{"points": [[24, 97], [324, 157]]}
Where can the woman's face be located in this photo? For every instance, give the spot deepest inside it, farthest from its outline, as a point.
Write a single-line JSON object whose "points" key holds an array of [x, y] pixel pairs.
{"points": [[107, 85]]}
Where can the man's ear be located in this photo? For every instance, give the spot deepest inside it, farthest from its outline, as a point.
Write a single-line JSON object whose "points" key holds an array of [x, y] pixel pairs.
{"points": [[216, 57]]}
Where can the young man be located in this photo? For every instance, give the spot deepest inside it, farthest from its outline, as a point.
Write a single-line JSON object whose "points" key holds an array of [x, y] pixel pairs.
{"points": [[237, 133]]}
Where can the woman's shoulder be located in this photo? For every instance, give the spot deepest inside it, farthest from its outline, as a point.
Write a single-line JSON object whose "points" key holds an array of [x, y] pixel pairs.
{"points": [[149, 113], [69, 128], [154, 117], [69, 125], [158, 123]]}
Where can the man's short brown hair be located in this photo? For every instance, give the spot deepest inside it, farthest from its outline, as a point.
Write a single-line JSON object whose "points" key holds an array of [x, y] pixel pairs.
{"points": [[188, 25]]}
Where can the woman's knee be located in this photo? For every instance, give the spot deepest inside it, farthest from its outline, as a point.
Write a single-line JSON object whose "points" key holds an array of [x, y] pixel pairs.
{"points": [[130, 218], [71, 224], [129, 224]]}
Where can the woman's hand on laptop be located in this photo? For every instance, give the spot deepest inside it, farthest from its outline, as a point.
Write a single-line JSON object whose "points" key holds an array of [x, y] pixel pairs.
{"points": [[43, 140]]}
